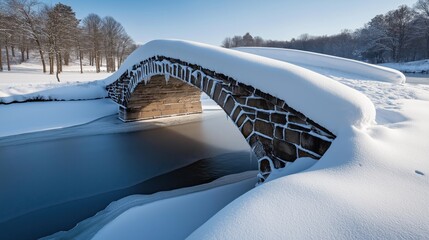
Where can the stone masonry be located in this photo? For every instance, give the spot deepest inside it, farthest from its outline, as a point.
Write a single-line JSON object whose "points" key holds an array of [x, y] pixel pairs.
{"points": [[277, 133], [159, 98]]}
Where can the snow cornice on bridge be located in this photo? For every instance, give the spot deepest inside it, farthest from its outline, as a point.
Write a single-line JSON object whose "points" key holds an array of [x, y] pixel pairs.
{"points": [[327, 102], [283, 111]]}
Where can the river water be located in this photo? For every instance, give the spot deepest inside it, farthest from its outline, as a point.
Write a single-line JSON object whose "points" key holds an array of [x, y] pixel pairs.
{"points": [[51, 184]]}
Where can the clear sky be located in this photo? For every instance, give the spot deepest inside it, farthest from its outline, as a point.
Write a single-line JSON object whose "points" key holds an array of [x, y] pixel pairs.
{"points": [[210, 21]]}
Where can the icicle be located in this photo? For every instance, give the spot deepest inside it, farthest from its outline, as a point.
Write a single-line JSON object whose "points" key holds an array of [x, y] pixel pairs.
{"points": [[167, 77]]}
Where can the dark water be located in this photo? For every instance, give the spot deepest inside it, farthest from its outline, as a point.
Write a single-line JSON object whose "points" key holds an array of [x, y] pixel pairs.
{"points": [[49, 186]]}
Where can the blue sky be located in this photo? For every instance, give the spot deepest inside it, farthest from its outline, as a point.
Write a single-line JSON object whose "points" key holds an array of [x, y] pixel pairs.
{"points": [[210, 21]]}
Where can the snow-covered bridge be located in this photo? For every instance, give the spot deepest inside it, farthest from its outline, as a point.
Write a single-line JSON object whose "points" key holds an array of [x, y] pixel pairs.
{"points": [[283, 111]]}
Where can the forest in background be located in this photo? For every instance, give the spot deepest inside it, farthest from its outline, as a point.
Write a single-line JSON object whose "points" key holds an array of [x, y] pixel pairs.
{"points": [[400, 35], [56, 35]]}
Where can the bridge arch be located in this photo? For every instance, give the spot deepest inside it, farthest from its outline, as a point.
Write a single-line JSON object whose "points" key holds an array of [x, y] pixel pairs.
{"points": [[277, 133]]}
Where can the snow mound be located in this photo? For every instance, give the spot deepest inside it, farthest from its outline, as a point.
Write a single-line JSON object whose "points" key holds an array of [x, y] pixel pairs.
{"points": [[327, 62], [322, 99]]}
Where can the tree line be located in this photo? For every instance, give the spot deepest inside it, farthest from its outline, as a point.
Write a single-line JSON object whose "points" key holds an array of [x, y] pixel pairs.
{"points": [[57, 35], [397, 36]]}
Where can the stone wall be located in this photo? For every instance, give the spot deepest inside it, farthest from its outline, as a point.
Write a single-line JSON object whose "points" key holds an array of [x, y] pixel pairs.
{"points": [[161, 98], [277, 133]]}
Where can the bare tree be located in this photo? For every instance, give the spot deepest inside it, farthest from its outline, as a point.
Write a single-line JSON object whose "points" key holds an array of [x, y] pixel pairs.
{"points": [[421, 24], [27, 17], [61, 29], [398, 26], [92, 26], [112, 32]]}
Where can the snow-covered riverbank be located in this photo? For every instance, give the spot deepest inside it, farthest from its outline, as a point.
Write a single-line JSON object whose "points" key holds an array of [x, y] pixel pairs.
{"points": [[372, 183]]}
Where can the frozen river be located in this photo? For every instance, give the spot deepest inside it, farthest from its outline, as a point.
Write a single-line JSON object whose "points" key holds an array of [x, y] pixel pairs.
{"points": [[49, 185]]}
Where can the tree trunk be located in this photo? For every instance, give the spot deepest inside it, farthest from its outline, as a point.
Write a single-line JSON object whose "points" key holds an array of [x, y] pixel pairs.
{"points": [[13, 50], [26, 49], [97, 63], [58, 66], [66, 58], [7, 57], [80, 61], [22, 54], [51, 63], [427, 45], [41, 55], [60, 61], [1, 61]]}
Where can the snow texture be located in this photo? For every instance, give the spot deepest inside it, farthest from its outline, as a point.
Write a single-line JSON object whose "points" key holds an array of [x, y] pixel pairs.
{"points": [[340, 65], [318, 97]]}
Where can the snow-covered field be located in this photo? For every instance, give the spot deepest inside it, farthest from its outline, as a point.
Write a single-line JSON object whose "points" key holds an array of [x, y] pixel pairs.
{"points": [[421, 66], [27, 82], [372, 183]]}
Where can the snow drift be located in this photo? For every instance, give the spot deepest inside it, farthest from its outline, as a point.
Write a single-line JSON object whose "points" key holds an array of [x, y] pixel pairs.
{"points": [[310, 59], [322, 99]]}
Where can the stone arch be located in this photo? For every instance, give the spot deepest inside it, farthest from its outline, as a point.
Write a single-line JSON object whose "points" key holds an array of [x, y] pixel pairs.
{"points": [[277, 133]]}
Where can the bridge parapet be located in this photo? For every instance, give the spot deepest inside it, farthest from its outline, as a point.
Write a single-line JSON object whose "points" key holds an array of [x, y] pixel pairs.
{"points": [[277, 133]]}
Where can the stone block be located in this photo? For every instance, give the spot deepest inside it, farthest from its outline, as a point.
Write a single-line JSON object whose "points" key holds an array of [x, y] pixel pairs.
{"points": [[222, 97], [263, 115], [284, 150], [292, 136], [314, 144], [260, 103], [278, 118], [296, 119], [247, 129], [235, 114], [217, 91], [229, 105], [264, 166], [306, 154], [241, 119], [265, 128], [298, 127], [278, 132]]}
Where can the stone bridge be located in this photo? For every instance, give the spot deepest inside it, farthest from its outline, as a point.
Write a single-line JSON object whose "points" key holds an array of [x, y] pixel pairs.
{"points": [[278, 134]]}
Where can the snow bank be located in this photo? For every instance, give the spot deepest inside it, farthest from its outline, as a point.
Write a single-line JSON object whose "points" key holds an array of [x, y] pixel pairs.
{"points": [[371, 184], [322, 99], [25, 82], [310, 59], [57, 92], [40, 116], [163, 215], [421, 66]]}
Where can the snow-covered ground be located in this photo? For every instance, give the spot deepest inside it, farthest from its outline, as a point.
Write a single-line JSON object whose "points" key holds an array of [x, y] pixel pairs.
{"points": [[26, 82], [372, 183], [421, 66]]}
